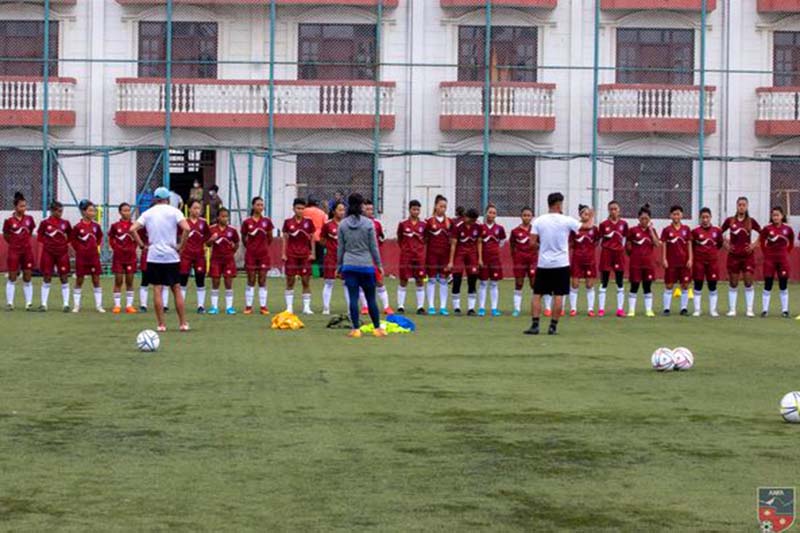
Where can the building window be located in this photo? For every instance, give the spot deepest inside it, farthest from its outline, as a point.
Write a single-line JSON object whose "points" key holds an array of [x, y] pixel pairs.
{"points": [[323, 175], [512, 55], [786, 59], [659, 181], [24, 39], [337, 52], [191, 41], [512, 182], [668, 52], [784, 185], [21, 170]]}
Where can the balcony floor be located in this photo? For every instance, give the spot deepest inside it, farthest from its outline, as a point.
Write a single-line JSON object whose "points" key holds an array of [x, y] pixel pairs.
{"points": [[683, 126], [252, 120], [475, 123], [36, 118]]}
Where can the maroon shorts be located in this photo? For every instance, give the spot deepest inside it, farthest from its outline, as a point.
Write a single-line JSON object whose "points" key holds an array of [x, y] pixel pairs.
{"points": [[612, 260], [298, 266], [189, 262], [705, 269], [583, 268], [436, 262], [257, 260], [640, 271], [525, 266], [123, 265], [223, 267], [20, 260], [741, 263], [412, 267], [50, 262], [88, 267], [776, 266], [673, 275], [329, 267], [466, 262], [492, 269]]}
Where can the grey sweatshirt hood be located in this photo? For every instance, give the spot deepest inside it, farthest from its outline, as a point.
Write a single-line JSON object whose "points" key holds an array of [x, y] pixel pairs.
{"points": [[358, 244]]}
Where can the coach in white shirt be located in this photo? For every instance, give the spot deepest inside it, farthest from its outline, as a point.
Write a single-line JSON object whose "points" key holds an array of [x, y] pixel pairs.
{"points": [[163, 253], [552, 232]]}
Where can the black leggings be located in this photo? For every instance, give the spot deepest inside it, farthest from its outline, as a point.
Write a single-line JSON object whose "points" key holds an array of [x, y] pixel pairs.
{"points": [[472, 283], [199, 279], [647, 287], [604, 277], [783, 283], [698, 285]]}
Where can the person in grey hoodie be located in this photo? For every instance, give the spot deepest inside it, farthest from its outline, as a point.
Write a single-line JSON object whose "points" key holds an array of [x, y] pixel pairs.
{"points": [[357, 261]]}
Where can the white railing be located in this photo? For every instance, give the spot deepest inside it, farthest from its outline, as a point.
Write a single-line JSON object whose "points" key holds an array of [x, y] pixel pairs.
{"points": [[778, 103], [654, 101], [27, 94], [245, 97], [507, 99]]}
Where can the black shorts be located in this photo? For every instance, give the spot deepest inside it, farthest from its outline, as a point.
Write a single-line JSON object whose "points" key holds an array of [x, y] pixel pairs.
{"points": [[553, 281], [163, 274]]}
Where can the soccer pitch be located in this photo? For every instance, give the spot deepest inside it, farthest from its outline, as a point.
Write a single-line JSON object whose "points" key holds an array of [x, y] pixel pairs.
{"points": [[465, 425]]}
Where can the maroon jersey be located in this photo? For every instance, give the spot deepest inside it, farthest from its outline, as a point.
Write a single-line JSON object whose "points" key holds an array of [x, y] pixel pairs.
{"points": [[677, 242], [706, 242], [379, 234], [411, 237], [584, 242], [225, 242], [492, 237], [437, 235], [613, 234], [467, 237], [198, 237], [257, 233], [330, 233], [300, 235], [740, 233], [54, 234], [121, 241], [521, 242], [18, 232], [777, 240], [85, 239], [641, 245]]}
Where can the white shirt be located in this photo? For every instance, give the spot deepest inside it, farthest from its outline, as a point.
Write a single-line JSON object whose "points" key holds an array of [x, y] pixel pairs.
{"points": [[175, 199], [553, 230], [161, 222]]}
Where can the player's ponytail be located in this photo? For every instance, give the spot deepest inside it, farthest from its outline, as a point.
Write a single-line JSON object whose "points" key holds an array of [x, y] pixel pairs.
{"points": [[18, 197]]}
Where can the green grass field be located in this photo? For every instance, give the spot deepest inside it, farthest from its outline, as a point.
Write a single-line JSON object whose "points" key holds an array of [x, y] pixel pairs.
{"points": [[466, 425]]}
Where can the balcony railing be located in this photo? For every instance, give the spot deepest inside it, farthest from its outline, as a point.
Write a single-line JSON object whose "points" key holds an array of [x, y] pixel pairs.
{"points": [[778, 112], [548, 4], [643, 108], [22, 101], [319, 104], [512, 106], [265, 3], [678, 5], [779, 6]]}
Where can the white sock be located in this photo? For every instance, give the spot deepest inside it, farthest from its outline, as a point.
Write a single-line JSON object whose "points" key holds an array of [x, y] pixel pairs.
{"points": [[632, 303], [573, 299], [10, 286], [307, 301], [620, 297], [590, 299], [401, 297], [602, 299], [383, 294], [327, 292], [667, 298], [249, 293], [713, 297], [262, 296], [749, 296], [420, 296], [128, 298], [471, 300], [98, 297], [548, 302], [648, 302], [201, 296], [733, 294], [228, 298], [698, 301], [784, 294], [117, 299], [443, 290], [215, 298], [183, 292], [765, 296], [494, 292], [165, 295], [456, 301], [517, 301], [483, 287], [45, 293], [76, 296], [685, 299], [431, 290], [289, 297], [27, 291], [65, 294], [143, 294]]}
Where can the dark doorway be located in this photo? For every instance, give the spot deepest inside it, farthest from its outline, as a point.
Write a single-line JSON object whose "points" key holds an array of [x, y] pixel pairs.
{"points": [[186, 166]]}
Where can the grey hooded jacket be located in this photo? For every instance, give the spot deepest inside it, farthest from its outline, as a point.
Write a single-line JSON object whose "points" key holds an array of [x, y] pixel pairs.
{"points": [[358, 244]]}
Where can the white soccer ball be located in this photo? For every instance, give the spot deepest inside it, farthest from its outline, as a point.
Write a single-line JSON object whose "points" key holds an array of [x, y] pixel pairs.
{"points": [[148, 341], [662, 360], [790, 407], [683, 358]]}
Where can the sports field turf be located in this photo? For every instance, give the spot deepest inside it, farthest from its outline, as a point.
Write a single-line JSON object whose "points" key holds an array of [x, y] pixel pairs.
{"points": [[465, 425]]}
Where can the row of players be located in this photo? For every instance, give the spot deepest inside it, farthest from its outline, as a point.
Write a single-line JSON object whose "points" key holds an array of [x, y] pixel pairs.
{"points": [[439, 249]]}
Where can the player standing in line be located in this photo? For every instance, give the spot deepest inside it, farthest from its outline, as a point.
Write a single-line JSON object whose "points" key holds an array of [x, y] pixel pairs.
{"points": [[613, 231], [123, 262], [741, 259], [144, 282], [18, 230], [524, 257], [86, 238], [677, 257], [493, 235], [257, 238], [383, 294], [777, 241], [465, 257], [437, 254], [329, 238], [224, 242], [641, 242], [193, 255], [53, 234], [706, 243], [297, 254], [584, 260], [411, 240]]}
